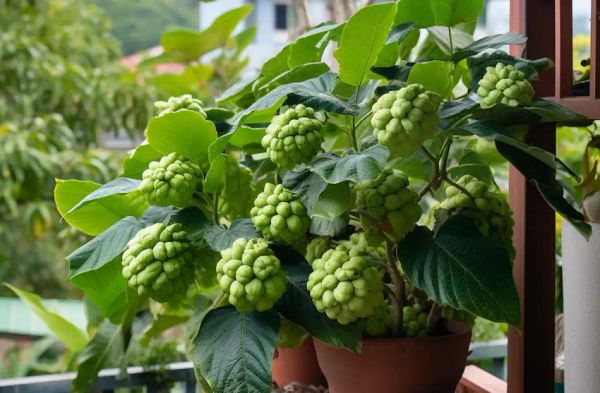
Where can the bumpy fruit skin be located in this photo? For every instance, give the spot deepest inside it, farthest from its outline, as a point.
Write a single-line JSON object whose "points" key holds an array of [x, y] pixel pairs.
{"points": [[489, 208], [280, 215], [316, 248], [175, 104], [504, 84], [171, 181], [404, 119], [344, 285], [414, 322], [380, 323], [237, 196], [251, 275], [293, 137], [389, 208], [158, 262]]}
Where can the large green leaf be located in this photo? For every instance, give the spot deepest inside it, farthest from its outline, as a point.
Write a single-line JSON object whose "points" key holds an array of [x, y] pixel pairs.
{"points": [[353, 166], [189, 44], [363, 38], [296, 304], [334, 201], [543, 177], [307, 184], [489, 42], [185, 132], [297, 74], [69, 334], [461, 267], [99, 214], [433, 75], [427, 13], [121, 185], [137, 162], [234, 350], [105, 348], [219, 238]]}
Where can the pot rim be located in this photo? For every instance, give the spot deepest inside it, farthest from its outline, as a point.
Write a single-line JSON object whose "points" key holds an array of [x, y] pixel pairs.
{"points": [[457, 330]]}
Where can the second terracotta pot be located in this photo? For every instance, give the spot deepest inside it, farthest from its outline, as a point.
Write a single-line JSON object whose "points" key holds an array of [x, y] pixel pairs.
{"points": [[403, 365], [297, 365]]}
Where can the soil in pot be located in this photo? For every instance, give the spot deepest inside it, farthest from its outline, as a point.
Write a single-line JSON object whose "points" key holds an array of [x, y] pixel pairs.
{"points": [[297, 365], [401, 365]]}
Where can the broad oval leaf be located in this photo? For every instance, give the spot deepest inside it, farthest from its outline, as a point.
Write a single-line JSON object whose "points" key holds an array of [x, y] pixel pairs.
{"points": [[490, 42], [352, 166], [69, 334], [219, 238], [334, 201], [427, 13], [185, 132], [461, 267], [434, 76], [234, 350], [137, 162], [363, 38], [120, 185], [99, 214], [296, 304]]}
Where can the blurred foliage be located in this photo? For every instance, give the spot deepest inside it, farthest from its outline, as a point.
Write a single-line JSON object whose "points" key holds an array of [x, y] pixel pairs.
{"points": [[60, 84], [134, 23]]}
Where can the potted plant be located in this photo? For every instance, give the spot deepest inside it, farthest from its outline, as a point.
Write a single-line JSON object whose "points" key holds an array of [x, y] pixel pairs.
{"points": [[358, 206], [580, 273]]}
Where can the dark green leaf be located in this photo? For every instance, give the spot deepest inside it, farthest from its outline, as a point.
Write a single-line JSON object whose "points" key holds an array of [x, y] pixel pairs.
{"points": [[296, 304], [396, 72], [106, 347], [306, 183], [219, 238], [193, 220], [490, 42], [543, 177], [400, 32], [352, 166], [324, 227], [234, 350], [461, 267]]}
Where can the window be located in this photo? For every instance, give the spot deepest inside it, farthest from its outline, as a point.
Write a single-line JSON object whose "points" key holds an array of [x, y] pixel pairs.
{"points": [[281, 16]]}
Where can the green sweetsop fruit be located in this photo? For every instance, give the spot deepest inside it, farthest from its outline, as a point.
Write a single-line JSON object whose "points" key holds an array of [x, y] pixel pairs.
{"points": [[414, 321], [316, 248], [380, 323], [489, 208], [388, 207], [344, 284], [157, 262], [293, 137], [174, 104], [171, 181], [279, 214], [237, 196], [504, 84], [404, 119], [251, 275]]}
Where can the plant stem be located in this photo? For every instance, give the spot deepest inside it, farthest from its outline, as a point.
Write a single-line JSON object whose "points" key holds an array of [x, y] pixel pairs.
{"points": [[353, 135], [399, 290], [444, 168], [215, 209], [434, 316]]}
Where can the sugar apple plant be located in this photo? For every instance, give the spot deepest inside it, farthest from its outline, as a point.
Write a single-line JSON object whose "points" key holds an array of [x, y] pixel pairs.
{"points": [[404, 119], [237, 197], [388, 208], [353, 181], [171, 181], [174, 104], [280, 214], [345, 285], [293, 137], [157, 262], [504, 84], [251, 275]]}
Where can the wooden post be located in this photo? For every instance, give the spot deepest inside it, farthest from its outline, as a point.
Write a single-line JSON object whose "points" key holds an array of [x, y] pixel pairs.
{"points": [[531, 348]]}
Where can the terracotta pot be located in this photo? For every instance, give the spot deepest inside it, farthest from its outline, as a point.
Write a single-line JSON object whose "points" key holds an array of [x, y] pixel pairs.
{"points": [[297, 365], [402, 365]]}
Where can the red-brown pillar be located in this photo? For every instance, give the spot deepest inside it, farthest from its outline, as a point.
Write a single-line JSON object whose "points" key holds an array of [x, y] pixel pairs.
{"points": [[531, 348]]}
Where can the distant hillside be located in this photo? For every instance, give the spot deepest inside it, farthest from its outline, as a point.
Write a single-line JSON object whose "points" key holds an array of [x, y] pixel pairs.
{"points": [[139, 24]]}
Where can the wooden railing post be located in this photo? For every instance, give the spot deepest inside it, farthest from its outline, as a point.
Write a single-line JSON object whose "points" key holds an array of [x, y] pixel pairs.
{"points": [[531, 348]]}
